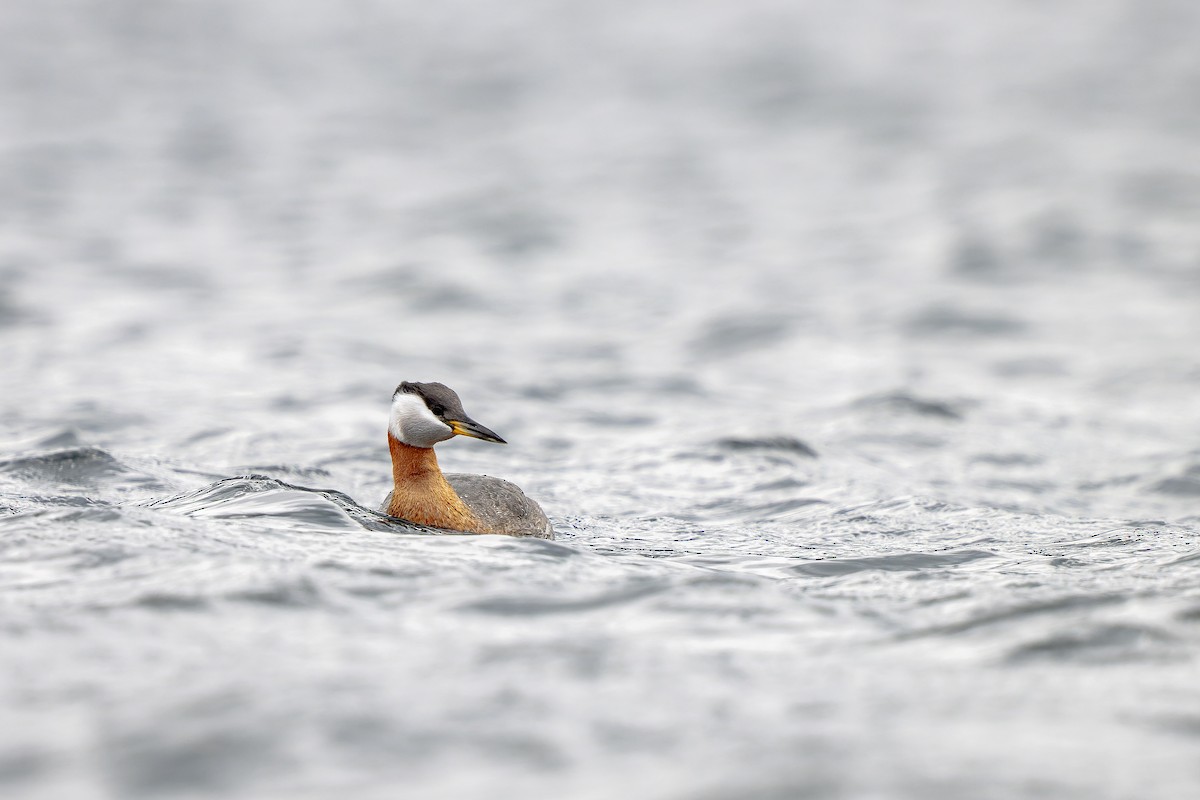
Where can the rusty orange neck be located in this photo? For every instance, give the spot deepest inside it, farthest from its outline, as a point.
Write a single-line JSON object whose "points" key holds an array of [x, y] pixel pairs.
{"points": [[421, 494]]}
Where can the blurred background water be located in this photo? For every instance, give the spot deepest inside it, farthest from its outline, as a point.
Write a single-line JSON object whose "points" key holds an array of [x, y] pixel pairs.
{"points": [[851, 347]]}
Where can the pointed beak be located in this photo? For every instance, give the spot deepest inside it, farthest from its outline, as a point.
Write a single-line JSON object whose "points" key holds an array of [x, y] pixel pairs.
{"points": [[469, 427]]}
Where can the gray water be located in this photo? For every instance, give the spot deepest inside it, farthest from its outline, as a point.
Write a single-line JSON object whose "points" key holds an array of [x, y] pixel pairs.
{"points": [[852, 348]]}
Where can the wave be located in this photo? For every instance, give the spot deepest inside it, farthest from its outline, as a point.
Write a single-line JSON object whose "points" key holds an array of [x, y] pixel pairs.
{"points": [[83, 466], [274, 503], [779, 444]]}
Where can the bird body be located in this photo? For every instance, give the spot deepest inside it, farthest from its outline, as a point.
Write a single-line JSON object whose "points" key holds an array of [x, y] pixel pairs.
{"points": [[502, 506], [424, 414]]}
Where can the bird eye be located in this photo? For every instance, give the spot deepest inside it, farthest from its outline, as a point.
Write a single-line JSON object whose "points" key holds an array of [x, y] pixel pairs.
{"points": [[438, 410]]}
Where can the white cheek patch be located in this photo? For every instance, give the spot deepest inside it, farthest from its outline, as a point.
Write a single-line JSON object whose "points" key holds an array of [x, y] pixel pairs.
{"points": [[414, 424]]}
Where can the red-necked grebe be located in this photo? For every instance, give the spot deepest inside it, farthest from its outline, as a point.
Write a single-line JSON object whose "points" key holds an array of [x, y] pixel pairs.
{"points": [[424, 414]]}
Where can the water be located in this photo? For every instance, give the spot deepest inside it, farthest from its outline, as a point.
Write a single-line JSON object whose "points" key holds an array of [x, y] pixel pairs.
{"points": [[851, 347]]}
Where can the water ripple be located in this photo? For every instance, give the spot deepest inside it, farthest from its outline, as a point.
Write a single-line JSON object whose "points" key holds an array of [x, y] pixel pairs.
{"points": [[896, 563]]}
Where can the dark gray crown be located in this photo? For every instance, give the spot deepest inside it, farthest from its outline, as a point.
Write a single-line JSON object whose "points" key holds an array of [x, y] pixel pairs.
{"points": [[438, 397]]}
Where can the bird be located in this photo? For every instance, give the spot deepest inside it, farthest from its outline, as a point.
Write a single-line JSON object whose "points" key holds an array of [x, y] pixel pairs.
{"points": [[422, 415]]}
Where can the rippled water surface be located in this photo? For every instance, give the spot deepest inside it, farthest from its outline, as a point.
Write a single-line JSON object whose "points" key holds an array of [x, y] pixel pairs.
{"points": [[851, 347]]}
